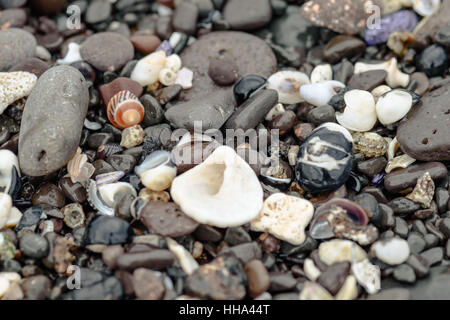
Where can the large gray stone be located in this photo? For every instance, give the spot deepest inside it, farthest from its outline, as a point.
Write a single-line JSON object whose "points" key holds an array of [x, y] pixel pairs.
{"points": [[16, 45]]}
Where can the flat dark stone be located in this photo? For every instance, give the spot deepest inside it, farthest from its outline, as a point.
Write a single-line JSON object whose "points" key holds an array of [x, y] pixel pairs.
{"points": [[368, 80]]}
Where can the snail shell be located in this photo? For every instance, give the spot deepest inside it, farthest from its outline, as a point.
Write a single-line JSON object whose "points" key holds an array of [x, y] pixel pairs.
{"points": [[109, 177], [426, 7], [318, 94], [148, 68], [393, 106], [102, 197], [359, 113], [322, 72], [125, 110], [173, 62], [369, 144], [167, 77], [287, 84], [157, 171]]}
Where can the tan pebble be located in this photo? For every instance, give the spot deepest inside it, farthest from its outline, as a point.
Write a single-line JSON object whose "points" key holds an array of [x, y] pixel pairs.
{"points": [[132, 137]]}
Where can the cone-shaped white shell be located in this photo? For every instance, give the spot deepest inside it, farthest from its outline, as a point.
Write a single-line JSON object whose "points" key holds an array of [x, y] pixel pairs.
{"points": [[148, 68], [318, 94], [393, 106], [287, 83], [223, 191], [359, 114]]}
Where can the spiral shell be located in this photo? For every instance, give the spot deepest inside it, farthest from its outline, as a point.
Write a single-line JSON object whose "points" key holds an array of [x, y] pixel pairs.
{"points": [[370, 144], [167, 77], [109, 149], [125, 110]]}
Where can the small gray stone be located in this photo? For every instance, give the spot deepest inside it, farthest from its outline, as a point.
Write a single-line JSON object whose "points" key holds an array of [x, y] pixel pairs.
{"points": [[49, 136], [247, 15], [416, 242], [33, 245], [391, 294], [98, 11], [444, 227], [403, 206], [434, 255], [154, 113], [387, 218], [185, 17], [404, 273], [280, 281], [441, 196], [246, 252], [321, 114], [401, 227], [236, 236], [447, 249], [419, 227], [419, 265], [431, 240], [16, 45]]}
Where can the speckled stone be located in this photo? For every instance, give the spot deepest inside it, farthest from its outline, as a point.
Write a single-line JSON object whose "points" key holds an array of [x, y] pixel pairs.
{"points": [[259, 59], [49, 136]]}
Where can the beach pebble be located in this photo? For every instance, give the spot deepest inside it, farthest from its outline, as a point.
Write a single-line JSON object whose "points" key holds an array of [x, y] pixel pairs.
{"points": [[145, 44], [393, 251], [325, 158], [434, 22], [108, 230], [223, 70], [16, 45], [49, 137], [147, 284], [247, 15], [258, 277], [48, 7], [33, 65], [110, 89], [424, 132], [247, 86], [185, 17], [15, 18], [368, 80], [432, 61], [343, 46], [33, 245], [336, 250], [132, 137], [285, 217], [15, 86], [107, 51], [404, 273]]}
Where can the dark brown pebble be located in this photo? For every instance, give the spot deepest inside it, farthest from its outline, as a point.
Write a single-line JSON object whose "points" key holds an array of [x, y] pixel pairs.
{"points": [[372, 167], [246, 252], [74, 191], [258, 277], [36, 287], [147, 285], [376, 192], [303, 130], [48, 7], [33, 65], [49, 194], [283, 122], [157, 259], [185, 17], [334, 276], [223, 70], [145, 44], [96, 140], [368, 80], [167, 219], [343, 46], [403, 206], [207, 233], [247, 15], [101, 167], [120, 84]]}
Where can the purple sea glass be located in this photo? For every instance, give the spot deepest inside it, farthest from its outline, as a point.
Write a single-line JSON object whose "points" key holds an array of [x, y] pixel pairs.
{"points": [[404, 20], [166, 47]]}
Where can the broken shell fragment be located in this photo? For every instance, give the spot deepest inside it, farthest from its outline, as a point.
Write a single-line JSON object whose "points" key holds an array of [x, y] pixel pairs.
{"points": [[223, 191], [393, 106], [367, 275], [423, 192], [79, 169], [167, 77], [285, 217], [184, 78], [395, 78], [15, 86], [125, 110], [402, 161], [109, 177], [318, 94], [9, 172], [369, 144], [73, 215], [392, 148], [147, 70], [157, 171], [184, 258], [359, 113], [287, 83], [72, 55], [379, 91], [341, 250], [103, 197]]}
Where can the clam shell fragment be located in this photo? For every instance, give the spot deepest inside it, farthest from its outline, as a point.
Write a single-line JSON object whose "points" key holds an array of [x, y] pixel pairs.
{"points": [[393, 106], [287, 84], [318, 94], [359, 114], [157, 171]]}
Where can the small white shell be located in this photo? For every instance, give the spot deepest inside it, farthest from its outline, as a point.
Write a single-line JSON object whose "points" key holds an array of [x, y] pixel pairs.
{"points": [[392, 149], [167, 77], [173, 62], [318, 94], [147, 70], [426, 7], [287, 83], [72, 55], [395, 78], [5, 208], [79, 169], [310, 269], [322, 72], [393, 106], [157, 171], [108, 191], [184, 258], [275, 111], [402, 161], [359, 114], [184, 78], [15, 86], [379, 91], [223, 191]]}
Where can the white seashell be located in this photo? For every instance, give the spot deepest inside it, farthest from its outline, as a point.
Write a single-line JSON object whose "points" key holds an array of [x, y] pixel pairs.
{"points": [[173, 62], [395, 78], [322, 72], [184, 258], [72, 55], [287, 83], [310, 269], [341, 250], [426, 7], [223, 191], [148, 68], [314, 291], [379, 91], [293, 154], [107, 192], [393, 106], [167, 77], [349, 289], [184, 78], [393, 251], [79, 169], [359, 114], [15, 86], [367, 275], [275, 111], [392, 148], [7, 279], [14, 218], [402, 161], [5, 208], [8, 161], [285, 217], [318, 94], [157, 171]]}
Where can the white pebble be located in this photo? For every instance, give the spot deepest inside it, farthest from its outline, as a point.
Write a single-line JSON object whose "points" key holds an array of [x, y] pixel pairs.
{"points": [[359, 113], [5, 208], [147, 70], [393, 251], [338, 250], [322, 72], [393, 106]]}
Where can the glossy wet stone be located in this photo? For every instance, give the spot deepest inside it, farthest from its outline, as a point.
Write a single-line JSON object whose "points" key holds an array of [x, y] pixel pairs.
{"points": [[247, 15], [49, 194], [253, 111], [343, 46], [107, 230], [16, 46], [404, 178], [107, 51], [44, 145], [432, 61], [246, 86], [167, 219]]}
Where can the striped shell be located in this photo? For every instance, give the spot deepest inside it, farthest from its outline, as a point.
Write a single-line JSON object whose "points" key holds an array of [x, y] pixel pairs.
{"points": [[370, 144], [125, 110]]}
